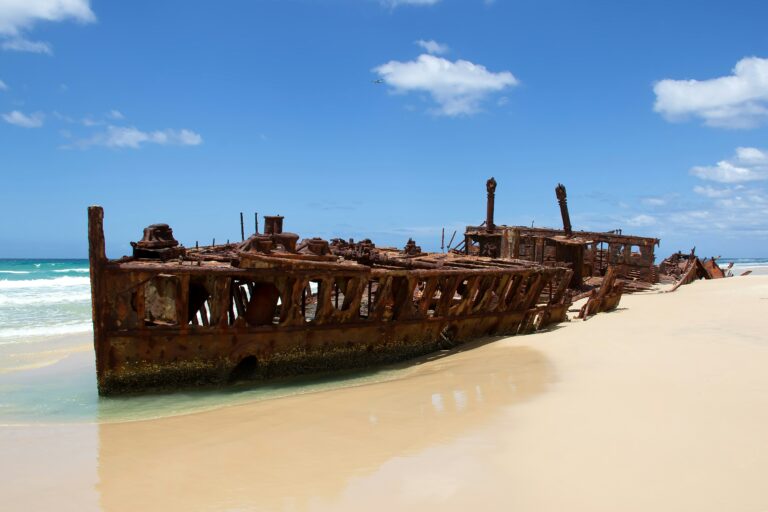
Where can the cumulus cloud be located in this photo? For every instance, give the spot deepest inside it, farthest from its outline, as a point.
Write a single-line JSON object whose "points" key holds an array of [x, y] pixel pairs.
{"points": [[730, 202], [133, 138], [34, 120], [457, 87], [432, 46], [739, 100], [749, 164], [19, 16]]}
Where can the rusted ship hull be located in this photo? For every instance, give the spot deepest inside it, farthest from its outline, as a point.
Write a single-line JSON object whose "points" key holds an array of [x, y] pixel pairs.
{"points": [[200, 320]]}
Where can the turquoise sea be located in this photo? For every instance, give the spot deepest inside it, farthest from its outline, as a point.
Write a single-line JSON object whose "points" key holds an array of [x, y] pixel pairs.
{"points": [[42, 298], [47, 372]]}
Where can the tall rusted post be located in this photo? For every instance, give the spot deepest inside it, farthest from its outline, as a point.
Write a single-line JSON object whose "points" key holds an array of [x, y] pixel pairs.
{"points": [[562, 199], [242, 227], [97, 258], [442, 241], [490, 186], [256, 222]]}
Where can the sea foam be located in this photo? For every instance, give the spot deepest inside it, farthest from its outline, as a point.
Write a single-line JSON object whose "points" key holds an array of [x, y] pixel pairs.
{"points": [[58, 282], [48, 330], [59, 297]]}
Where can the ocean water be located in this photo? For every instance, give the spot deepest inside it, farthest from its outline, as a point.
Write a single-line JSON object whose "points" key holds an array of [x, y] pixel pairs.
{"points": [[43, 298], [758, 266]]}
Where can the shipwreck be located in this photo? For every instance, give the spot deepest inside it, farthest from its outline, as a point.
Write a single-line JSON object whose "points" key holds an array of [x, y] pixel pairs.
{"points": [[271, 305], [589, 254]]}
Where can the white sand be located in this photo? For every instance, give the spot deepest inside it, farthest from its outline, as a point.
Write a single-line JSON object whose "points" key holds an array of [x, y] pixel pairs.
{"points": [[659, 406]]}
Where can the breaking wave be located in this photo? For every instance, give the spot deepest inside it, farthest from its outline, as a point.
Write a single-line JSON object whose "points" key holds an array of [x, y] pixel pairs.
{"points": [[43, 298], [48, 330], [50, 298], [58, 282]]}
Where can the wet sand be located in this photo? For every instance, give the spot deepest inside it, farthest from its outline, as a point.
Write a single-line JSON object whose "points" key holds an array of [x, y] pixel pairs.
{"points": [[661, 405]]}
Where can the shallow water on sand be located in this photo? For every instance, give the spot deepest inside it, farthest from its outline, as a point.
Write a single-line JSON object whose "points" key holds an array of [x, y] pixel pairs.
{"points": [[55, 382]]}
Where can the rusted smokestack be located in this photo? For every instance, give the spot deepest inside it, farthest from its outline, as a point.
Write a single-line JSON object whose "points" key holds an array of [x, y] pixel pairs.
{"points": [[562, 199], [490, 185]]}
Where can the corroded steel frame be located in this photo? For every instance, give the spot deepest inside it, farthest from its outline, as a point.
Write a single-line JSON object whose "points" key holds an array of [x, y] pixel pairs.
{"points": [[199, 333], [600, 250]]}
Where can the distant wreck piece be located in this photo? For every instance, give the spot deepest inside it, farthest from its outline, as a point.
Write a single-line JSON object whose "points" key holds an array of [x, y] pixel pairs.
{"points": [[589, 254], [273, 306], [682, 269]]}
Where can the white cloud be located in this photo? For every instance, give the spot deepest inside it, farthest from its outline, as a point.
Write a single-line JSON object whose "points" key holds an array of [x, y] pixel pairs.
{"points": [[457, 87], [3, 86], [18, 16], [395, 3], [739, 100], [34, 120], [19, 44], [712, 192], [131, 137], [115, 114], [641, 220], [732, 204], [749, 164], [433, 47]]}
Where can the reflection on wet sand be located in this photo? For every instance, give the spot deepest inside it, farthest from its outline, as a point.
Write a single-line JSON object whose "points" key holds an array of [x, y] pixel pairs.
{"points": [[298, 451]]}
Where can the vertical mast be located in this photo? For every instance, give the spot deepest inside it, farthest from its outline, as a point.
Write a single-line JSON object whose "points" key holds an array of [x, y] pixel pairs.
{"points": [[562, 199], [490, 186]]}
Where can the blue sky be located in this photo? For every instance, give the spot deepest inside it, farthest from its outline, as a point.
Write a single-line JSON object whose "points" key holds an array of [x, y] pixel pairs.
{"points": [[382, 118]]}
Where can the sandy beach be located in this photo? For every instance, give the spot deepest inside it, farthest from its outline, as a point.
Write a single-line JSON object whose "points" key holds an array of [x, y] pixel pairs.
{"points": [[660, 405]]}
